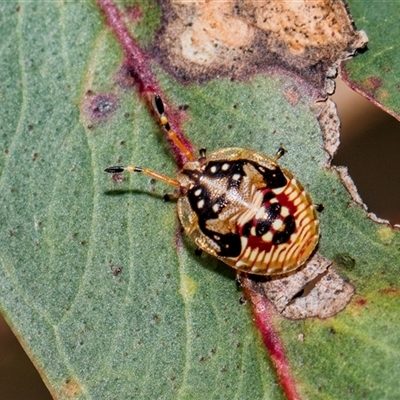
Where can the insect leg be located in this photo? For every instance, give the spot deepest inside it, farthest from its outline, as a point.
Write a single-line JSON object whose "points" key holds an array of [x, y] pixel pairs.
{"points": [[280, 152]]}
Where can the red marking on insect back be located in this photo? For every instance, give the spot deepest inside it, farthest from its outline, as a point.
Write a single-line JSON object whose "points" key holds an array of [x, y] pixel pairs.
{"points": [[257, 241], [138, 64], [264, 319], [284, 201]]}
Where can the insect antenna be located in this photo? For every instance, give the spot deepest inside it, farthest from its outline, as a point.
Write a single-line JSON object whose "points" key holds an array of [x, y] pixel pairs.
{"points": [[132, 168], [159, 108]]}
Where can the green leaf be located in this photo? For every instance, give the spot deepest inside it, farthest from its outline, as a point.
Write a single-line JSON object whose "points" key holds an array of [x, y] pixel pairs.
{"points": [[374, 73], [93, 277]]}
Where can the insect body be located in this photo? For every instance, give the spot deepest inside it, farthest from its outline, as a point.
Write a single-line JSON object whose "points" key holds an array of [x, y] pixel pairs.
{"points": [[242, 207]]}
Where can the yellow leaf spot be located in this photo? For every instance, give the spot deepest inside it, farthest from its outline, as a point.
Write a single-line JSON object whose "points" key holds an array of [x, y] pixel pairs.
{"points": [[386, 234], [188, 287]]}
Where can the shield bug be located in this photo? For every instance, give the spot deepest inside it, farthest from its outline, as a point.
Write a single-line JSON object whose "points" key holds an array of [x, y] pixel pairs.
{"points": [[240, 206]]}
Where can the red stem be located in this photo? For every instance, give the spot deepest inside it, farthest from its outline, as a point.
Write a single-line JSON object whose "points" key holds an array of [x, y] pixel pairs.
{"points": [[138, 63], [264, 313], [147, 86]]}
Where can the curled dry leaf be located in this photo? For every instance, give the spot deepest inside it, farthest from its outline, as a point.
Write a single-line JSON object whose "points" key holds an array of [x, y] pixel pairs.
{"points": [[315, 291], [202, 40]]}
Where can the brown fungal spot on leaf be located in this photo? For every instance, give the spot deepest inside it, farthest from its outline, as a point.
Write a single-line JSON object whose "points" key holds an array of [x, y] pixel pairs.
{"points": [[391, 291], [71, 388], [125, 76], [99, 107], [372, 84], [118, 178], [115, 270], [201, 40], [315, 291], [358, 305], [133, 13]]}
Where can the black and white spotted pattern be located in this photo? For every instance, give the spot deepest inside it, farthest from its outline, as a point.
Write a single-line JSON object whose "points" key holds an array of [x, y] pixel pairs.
{"points": [[253, 215]]}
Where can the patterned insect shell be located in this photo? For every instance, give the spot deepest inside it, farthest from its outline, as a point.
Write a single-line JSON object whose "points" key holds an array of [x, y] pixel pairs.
{"points": [[246, 210]]}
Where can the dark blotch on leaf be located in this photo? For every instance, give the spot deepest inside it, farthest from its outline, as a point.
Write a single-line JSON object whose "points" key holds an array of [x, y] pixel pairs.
{"points": [[117, 178], [134, 13], [126, 77], [361, 301], [102, 106], [116, 270], [374, 83], [345, 260]]}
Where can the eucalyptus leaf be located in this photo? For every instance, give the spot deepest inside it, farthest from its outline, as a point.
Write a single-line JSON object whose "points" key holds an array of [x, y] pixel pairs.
{"points": [[106, 298]]}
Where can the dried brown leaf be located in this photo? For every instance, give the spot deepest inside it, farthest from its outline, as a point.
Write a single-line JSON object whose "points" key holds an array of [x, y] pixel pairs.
{"points": [[203, 40]]}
